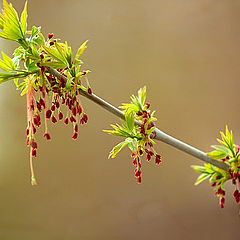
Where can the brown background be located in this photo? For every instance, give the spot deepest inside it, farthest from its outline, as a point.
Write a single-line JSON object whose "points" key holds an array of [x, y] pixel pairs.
{"points": [[187, 54]]}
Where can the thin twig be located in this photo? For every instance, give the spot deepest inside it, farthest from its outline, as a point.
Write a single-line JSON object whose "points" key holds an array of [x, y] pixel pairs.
{"points": [[161, 136]]}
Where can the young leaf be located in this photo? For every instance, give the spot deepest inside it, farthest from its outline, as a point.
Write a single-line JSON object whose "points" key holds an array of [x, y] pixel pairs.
{"points": [[6, 64], [142, 95], [24, 19], [129, 119], [217, 154], [200, 169], [132, 144], [12, 28], [81, 50], [117, 149], [202, 177]]}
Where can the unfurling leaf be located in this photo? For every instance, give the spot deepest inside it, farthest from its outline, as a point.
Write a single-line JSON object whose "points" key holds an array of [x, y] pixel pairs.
{"points": [[117, 149]]}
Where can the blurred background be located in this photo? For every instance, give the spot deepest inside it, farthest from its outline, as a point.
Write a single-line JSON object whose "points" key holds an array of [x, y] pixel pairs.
{"points": [[187, 54]]}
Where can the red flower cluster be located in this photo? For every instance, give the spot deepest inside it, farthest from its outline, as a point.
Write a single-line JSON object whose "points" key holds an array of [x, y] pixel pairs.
{"points": [[146, 124], [137, 160], [235, 176], [60, 96]]}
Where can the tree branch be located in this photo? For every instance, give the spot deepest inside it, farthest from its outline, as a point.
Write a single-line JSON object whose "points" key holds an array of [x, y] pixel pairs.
{"points": [[161, 136]]}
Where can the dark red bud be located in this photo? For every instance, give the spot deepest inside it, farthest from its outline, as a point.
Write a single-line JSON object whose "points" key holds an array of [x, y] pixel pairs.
{"points": [[37, 121], [34, 152], [148, 157], [34, 145], [89, 91], [57, 105], [85, 118], [79, 108], [139, 179], [158, 159], [39, 107], [48, 113], [51, 43], [41, 56], [75, 135], [54, 120], [47, 136], [60, 116], [235, 193], [72, 119], [66, 121], [53, 108], [135, 162], [74, 111], [81, 121], [41, 101], [76, 128], [34, 129], [151, 153], [137, 173], [50, 35], [27, 131]]}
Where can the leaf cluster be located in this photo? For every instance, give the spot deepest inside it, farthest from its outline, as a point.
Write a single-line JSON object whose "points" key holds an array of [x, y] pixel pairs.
{"points": [[215, 175], [130, 128], [227, 152], [35, 53]]}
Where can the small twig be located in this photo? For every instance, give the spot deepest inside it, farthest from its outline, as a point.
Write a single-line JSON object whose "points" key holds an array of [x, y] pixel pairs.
{"points": [[161, 136]]}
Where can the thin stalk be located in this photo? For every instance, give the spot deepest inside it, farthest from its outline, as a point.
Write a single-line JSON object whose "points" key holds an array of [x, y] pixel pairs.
{"points": [[160, 135]]}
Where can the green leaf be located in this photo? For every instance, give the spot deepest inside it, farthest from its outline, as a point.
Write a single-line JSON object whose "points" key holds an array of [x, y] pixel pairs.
{"points": [[212, 179], [200, 169], [13, 75], [6, 64], [217, 154], [131, 106], [24, 91], [227, 140], [221, 148], [81, 50], [10, 24], [142, 95], [132, 144], [54, 53], [24, 19], [117, 149], [129, 120], [69, 82], [55, 65], [201, 178], [118, 131]]}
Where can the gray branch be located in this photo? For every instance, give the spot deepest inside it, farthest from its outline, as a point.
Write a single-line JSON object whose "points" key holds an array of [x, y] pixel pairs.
{"points": [[161, 136]]}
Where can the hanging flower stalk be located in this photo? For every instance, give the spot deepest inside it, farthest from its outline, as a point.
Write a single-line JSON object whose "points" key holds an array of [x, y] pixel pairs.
{"points": [[46, 94]]}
